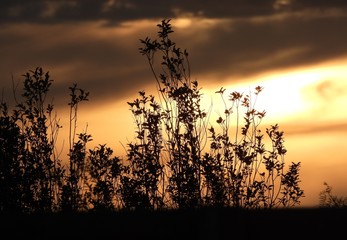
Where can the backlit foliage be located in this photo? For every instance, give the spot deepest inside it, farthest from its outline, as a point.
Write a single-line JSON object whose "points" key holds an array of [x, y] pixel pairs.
{"points": [[178, 159]]}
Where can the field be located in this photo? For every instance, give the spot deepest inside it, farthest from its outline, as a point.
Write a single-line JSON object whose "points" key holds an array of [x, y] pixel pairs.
{"points": [[298, 223]]}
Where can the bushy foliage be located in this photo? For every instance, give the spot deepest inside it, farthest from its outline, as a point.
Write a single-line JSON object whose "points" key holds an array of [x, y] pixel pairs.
{"points": [[177, 160], [237, 170], [30, 169]]}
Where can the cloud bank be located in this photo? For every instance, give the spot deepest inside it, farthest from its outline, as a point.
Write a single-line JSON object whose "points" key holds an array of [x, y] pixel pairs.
{"points": [[95, 43]]}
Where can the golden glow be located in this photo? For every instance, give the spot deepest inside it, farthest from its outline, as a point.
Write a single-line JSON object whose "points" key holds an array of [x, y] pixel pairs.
{"points": [[284, 94], [183, 22], [318, 91], [298, 99], [323, 159], [309, 104], [292, 97], [111, 124]]}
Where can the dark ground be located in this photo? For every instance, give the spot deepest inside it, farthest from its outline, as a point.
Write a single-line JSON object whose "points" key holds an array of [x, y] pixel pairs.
{"points": [[298, 223]]}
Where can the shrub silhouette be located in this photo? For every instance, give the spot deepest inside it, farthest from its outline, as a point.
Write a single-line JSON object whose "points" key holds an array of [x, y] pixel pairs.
{"points": [[105, 172], [140, 184], [178, 158], [30, 171], [73, 190], [11, 149], [182, 118], [237, 172]]}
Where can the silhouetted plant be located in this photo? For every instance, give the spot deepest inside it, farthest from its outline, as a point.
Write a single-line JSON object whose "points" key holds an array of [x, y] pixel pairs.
{"points": [[73, 195], [166, 166], [104, 179], [32, 177], [77, 95], [328, 200], [238, 171], [141, 186], [74, 189], [37, 174], [11, 153], [93, 176], [183, 119]]}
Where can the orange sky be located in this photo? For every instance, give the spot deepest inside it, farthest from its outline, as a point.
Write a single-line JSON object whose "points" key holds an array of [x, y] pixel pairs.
{"points": [[296, 50]]}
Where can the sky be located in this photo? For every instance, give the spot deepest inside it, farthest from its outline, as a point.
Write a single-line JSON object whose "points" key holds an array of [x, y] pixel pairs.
{"points": [[295, 49]]}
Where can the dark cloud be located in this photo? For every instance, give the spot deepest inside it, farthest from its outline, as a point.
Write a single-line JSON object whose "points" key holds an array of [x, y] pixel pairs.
{"points": [[318, 3], [117, 11], [250, 48], [108, 66], [106, 61], [125, 10]]}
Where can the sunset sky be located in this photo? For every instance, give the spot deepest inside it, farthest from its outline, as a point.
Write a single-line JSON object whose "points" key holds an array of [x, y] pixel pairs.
{"points": [[295, 49]]}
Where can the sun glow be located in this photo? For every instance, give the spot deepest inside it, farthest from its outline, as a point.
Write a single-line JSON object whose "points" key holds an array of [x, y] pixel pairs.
{"points": [[299, 94], [308, 103], [283, 95]]}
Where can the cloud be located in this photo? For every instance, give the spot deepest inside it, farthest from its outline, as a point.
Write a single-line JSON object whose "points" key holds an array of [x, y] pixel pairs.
{"points": [[319, 3], [105, 60], [118, 11], [250, 46]]}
